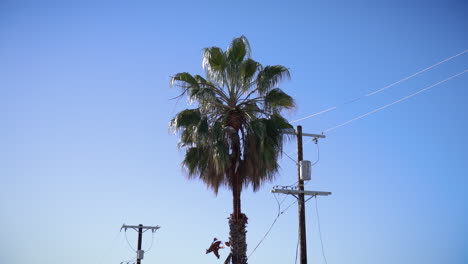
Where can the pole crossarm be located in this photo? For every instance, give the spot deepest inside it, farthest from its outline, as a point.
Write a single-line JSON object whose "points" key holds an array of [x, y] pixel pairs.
{"points": [[293, 192], [292, 132], [135, 227]]}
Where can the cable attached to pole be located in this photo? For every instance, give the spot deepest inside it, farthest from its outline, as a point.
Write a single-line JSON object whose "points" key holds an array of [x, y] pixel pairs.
{"points": [[395, 102], [128, 242], [381, 89], [269, 229], [319, 229]]}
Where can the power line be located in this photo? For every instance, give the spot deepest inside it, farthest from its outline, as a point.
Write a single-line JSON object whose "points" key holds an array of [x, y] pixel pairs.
{"points": [[382, 89], [287, 155], [272, 224], [319, 229], [269, 229], [151, 245], [308, 142], [297, 247], [395, 102], [128, 242], [318, 153], [140, 229]]}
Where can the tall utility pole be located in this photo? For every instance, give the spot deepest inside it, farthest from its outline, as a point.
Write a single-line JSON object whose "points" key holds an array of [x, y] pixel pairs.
{"points": [[301, 202], [300, 192], [140, 229]]}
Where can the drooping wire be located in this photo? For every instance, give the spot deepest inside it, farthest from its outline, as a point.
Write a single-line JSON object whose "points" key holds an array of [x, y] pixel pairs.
{"points": [[318, 152], [152, 240], [308, 142], [287, 155], [269, 229], [382, 89], [395, 102], [280, 213], [291, 204], [297, 246], [274, 221], [318, 159], [319, 229], [128, 242]]}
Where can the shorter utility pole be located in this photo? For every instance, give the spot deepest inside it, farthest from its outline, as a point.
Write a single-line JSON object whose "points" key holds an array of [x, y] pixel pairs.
{"points": [[140, 229]]}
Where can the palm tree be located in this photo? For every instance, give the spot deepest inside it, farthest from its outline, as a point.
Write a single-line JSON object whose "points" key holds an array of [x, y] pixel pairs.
{"points": [[233, 137]]}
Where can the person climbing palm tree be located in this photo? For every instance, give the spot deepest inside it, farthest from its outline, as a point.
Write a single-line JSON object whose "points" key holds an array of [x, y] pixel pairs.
{"points": [[233, 137]]}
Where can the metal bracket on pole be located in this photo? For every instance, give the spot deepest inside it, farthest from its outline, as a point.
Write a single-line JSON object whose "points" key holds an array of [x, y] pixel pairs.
{"points": [[293, 132], [290, 191], [140, 229], [135, 227], [295, 192]]}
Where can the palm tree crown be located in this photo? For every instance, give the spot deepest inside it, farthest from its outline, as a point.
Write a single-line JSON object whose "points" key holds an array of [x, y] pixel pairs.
{"points": [[237, 123]]}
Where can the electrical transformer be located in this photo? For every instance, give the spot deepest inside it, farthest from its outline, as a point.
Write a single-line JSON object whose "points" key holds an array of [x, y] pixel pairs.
{"points": [[305, 170]]}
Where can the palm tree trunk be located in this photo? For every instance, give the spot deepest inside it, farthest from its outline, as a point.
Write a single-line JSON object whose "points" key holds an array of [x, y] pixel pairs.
{"points": [[237, 224], [237, 221], [237, 237]]}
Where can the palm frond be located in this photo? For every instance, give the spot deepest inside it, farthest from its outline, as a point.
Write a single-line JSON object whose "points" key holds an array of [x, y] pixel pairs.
{"points": [[185, 118], [248, 69], [238, 49], [270, 76], [277, 100], [214, 64]]}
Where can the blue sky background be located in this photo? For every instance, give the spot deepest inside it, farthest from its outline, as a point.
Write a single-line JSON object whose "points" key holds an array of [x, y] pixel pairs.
{"points": [[84, 110]]}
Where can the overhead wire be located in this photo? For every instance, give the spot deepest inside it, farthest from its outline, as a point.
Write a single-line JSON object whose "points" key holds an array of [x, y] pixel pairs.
{"points": [[272, 224], [381, 89], [295, 201], [320, 230], [318, 159], [128, 242], [297, 246], [352, 120], [287, 155], [152, 240], [395, 102], [269, 229], [318, 153], [293, 152]]}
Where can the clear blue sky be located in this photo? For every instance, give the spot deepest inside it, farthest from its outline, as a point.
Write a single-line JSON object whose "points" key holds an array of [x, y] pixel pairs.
{"points": [[84, 109]]}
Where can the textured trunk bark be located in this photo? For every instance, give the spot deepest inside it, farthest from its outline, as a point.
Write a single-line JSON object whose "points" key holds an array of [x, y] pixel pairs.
{"points": [[237, 225], [237, 237]]}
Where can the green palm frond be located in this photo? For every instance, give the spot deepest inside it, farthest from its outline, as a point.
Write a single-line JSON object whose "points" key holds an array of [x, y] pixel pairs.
{"points": [[270, 76], [186, 118], [248, 69], [263, 146], [236, 130], [276, 100], [214, 63], [237, 50]]}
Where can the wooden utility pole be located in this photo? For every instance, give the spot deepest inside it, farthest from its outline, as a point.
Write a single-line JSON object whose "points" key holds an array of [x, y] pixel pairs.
{"points": [[140, 235], [301, 203], [139, 228], [300, 192]]}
